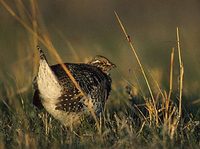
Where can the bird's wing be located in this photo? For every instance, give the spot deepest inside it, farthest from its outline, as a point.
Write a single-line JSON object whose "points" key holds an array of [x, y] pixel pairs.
{"points": [[90, 79]]}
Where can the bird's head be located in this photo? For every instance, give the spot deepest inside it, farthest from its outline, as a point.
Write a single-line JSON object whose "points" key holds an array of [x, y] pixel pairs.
{"points": [[102, 63]]}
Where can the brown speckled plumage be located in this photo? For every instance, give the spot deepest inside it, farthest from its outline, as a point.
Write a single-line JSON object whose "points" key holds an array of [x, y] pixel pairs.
{"points": [[92, 77]]}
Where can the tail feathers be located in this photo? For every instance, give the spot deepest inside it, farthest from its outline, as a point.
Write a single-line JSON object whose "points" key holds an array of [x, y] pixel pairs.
{"points": [[37, 101], [42, 56]]}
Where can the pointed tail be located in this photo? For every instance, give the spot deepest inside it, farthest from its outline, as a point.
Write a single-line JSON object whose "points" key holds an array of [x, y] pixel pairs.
{"points": [[42, 56]]}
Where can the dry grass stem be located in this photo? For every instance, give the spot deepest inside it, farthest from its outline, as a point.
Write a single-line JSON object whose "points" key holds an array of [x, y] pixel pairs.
{"points": [[131, 119], [171, 73], [139, 63], [45, 40], [170, 84], [181, 72], [69, 45]]}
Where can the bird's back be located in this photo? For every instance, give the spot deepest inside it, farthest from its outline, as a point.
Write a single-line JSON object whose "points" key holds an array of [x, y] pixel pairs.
{"points": [[93, 82], [56, 92]]}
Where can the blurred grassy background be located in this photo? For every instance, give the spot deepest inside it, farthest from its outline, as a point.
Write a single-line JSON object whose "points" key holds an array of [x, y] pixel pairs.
{"points": [[82, 29], [90, 28]]}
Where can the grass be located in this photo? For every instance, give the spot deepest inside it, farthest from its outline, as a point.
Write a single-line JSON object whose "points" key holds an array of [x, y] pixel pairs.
{"points": [[132, 119]]}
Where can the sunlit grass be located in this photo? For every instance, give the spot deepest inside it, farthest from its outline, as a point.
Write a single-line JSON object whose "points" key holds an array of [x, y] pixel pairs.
{"points": [[132, 119]]}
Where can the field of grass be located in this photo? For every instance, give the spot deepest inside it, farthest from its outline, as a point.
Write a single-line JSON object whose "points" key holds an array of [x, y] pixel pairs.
{"points": [[134, 117]]}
